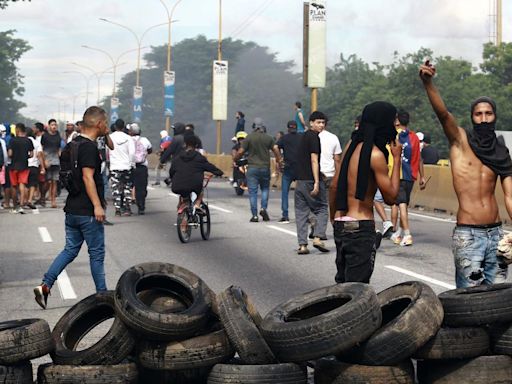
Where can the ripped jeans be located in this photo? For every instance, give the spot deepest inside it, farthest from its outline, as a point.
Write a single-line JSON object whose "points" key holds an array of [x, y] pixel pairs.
{"points": [[474, 252]]}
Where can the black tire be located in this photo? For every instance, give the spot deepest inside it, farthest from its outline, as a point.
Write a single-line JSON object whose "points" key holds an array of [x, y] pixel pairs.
{"points": [[89, 374], [184, 376], [455, 343], [322, 322], [411, 315], [241, 320], [481, 370], [183, 225], [328, 371], [484, 304], [201, 351], [156, 325], [205, 223], [16, 374], [25, 339], [82, 317], [162, 301], [501, 339], [258, 374]]}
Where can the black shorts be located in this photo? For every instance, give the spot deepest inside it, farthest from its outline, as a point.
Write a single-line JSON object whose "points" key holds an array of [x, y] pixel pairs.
{"points": [[7, 177], [404, 194], [33, 177]]}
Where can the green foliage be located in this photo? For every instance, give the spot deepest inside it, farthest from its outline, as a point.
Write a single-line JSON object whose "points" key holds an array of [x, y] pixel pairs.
{"points": [[11, 80]]}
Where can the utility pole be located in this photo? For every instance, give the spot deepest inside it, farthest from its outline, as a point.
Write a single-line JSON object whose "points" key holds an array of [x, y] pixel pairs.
{"points": [[219, 58], [499, 22]]}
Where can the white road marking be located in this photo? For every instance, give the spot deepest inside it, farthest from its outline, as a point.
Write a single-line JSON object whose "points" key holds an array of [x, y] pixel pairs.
{"points": [[283, 230], [36, 211], [421, 277], [219, 208], [150, 188], [173, 194], [45, 235], [432, 217], [65, 288]]}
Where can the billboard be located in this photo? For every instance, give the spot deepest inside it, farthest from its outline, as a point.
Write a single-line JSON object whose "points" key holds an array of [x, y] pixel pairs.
{"points": [[169, 80], [114, 109], [315, 43], [220, 90], [137, 104]]}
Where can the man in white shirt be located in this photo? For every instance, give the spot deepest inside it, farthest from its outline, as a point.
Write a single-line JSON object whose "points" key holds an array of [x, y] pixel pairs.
{"points": [[121, 159], [35, 167], [140, 173]]}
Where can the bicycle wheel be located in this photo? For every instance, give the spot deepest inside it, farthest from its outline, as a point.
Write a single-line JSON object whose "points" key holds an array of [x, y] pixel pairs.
{"points": [[205, 223], [183, 225]]}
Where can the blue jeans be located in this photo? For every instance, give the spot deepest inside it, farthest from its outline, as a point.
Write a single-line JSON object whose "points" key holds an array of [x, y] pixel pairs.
{"points": [[78, 229], [474, 252], [258, 177], [287, 178]]}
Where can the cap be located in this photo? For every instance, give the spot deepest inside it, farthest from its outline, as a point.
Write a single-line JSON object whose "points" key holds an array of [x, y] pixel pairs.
{"points": [[69, 123], [292, 124], [134, 128], [420, 135], [163, 134], [241, 135], [2, 128], [258, 123]]}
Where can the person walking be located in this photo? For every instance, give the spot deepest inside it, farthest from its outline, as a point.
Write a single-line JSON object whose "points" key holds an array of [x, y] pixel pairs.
{"points": [[51, 142], [240, 122], [258, 145], [299, 117], [85, 211], [140, 175], [20, 150]]}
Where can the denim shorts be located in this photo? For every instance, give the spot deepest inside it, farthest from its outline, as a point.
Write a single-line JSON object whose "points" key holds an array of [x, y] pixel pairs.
{"points": [[474, 251]]}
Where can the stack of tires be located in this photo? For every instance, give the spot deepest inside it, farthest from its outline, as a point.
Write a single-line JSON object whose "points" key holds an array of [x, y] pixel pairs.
{"points": [[21, 341]]}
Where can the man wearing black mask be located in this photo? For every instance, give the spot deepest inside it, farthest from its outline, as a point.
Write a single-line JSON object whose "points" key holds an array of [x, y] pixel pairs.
{"points": [[477, 159]]}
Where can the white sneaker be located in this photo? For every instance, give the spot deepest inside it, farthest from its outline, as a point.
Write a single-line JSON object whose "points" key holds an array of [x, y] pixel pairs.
{"points": [[386, 227], [396, 237], [406, 241]]}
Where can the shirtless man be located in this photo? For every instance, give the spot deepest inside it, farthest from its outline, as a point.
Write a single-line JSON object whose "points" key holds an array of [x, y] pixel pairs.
{"points": [[363, 169], [477, 159]]}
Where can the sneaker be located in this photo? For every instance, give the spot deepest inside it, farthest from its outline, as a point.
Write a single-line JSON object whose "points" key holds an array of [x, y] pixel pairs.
{"points": [[142, 212], [396, 237], [254, 219], [264, 214], [31, 206], [156, 183], [106, 222], [387, 226], [406, 241], [303, 250], [20, 210], [127, 212], [320, 245], [41, 293], [118, 212], [284, 220], [378, 239]]}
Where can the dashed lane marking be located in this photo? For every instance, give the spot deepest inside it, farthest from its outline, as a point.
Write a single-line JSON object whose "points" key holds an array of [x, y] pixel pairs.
{"points": [[150, 188], [432, 217], [65, 288], [421, 277], [36, 211], [219, 208], [45, 235], [282, 230]]}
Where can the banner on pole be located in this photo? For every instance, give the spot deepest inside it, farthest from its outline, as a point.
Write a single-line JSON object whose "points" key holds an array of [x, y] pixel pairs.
{"points": [[220, 90], [114, 109], [316, 44], [137, 104], [169, 79]]}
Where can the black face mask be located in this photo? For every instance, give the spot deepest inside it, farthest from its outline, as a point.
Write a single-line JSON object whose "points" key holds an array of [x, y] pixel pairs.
{"points": [[485, 133]]}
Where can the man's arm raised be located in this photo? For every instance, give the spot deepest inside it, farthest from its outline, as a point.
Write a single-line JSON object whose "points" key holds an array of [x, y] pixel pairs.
{"points": [[450, 126], [389, 186]]}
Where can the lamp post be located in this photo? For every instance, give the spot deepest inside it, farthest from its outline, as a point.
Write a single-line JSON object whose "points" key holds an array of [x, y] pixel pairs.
{"points": [[98, 75], [170, 88], [219, 58], [86, 84]]}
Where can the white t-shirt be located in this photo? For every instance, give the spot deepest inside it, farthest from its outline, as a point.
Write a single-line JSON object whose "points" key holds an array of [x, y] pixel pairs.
{"points": [[145, 142], [34, 160], [123, 155], [330, 146]]}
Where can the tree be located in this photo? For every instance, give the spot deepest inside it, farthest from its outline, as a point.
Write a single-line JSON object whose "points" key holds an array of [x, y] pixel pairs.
{"points": [[11, 80]]}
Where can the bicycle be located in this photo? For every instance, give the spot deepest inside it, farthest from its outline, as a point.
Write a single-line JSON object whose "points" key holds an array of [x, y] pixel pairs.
{"points": [[188, 218]]}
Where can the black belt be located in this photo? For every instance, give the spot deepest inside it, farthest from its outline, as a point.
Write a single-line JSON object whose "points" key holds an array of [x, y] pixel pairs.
{"points": [[481, 226]]}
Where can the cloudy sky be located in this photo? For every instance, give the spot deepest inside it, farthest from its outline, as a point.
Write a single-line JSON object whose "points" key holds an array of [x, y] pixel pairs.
{"points": [[372, 29]]}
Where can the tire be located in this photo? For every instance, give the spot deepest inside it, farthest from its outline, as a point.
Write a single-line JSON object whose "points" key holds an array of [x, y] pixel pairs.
{"points": [[241, 321], [328, 371], [501, 339], [25, 339], [185, 376], [205, 223], [162, 301], [322, 322], [87, 374], [484, 304], [16, 374], [184, 232], [172, 278], [82, 317], [411, 315], [196, 352], [258, 374], [455, 343], [481, 370]]}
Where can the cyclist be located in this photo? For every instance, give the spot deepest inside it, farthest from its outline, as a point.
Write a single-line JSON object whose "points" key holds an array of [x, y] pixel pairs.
{"points": [[187, 171]]}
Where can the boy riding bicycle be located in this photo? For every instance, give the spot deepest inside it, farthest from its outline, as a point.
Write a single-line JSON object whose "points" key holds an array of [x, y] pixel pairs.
{"points": [[187, 172]]}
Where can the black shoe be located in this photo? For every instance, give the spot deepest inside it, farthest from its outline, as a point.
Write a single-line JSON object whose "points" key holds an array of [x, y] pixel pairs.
{"points": [[264, 214], [284, 220], [254, 219], [378, 239], [118, 212], [31, 206], [167, 181], [106, 222]]}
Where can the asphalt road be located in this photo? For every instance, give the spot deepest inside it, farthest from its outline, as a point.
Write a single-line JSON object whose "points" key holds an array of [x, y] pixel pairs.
{"points": [[259, 257]]}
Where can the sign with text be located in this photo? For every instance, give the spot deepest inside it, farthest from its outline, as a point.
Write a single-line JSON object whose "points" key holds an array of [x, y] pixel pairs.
{"points": [[114, 109], [137, 104], [220, 90], [316, 43], [169, 79]]}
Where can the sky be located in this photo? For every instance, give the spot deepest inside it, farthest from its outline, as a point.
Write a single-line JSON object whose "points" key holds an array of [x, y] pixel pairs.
{"points": [[371, 29]]}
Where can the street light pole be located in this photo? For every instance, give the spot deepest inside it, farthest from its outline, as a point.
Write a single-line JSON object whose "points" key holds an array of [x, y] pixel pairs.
{"points": [[98, 75], [86, 85], [219, 57]]}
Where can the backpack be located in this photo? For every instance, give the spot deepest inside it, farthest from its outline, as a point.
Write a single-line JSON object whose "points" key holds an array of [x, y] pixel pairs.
{"points": [[69, 174], [140, 152]]}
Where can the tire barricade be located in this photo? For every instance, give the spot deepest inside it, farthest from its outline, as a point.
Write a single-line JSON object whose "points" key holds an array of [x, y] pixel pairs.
{"points": [[168, 326]]}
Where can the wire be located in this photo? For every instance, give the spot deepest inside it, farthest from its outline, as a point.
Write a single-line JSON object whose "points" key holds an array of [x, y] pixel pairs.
{"points": [[251, 18]]}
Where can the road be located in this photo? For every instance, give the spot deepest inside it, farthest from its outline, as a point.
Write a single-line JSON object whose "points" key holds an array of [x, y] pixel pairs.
{"points": [[259, 257]]}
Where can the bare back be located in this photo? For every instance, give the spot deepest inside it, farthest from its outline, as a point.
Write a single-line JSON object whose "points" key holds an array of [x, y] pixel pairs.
{"points": [[474, 185]]}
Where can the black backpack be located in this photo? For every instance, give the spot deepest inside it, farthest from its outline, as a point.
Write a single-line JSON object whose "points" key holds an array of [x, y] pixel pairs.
{"points": [[70, 175]]}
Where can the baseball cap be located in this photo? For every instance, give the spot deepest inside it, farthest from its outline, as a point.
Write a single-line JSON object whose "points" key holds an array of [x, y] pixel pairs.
{"points": [[258, 123], [163, 133], [134, 127], [420, 135]]}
